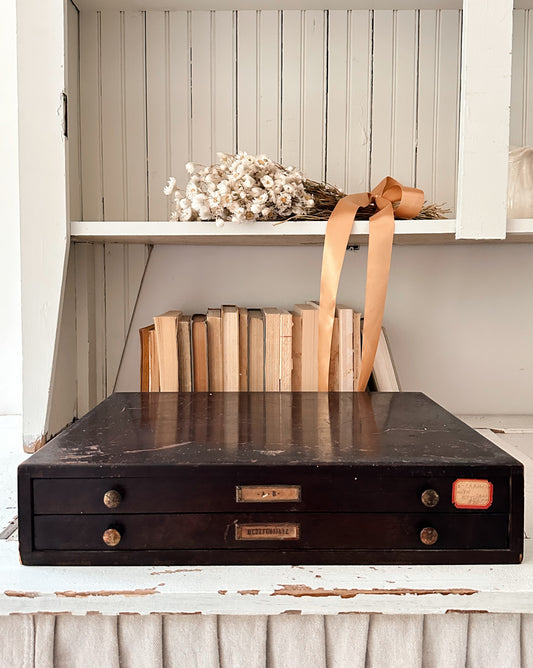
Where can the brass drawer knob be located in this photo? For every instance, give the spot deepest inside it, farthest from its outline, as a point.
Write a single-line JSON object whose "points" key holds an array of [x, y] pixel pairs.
{"points": [[111, 537], [112, 498], [429, 536], [430, 498]]}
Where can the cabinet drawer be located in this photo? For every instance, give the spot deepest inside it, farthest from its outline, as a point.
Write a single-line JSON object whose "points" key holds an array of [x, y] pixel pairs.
{"points": [[272, 530], [217, 491]]}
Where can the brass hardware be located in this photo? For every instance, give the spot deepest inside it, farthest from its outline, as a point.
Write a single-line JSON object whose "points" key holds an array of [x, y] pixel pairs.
{"points": [[284, 531], [430, 498], [429, 536], [111, 537], [267, 493], [112, 498]]}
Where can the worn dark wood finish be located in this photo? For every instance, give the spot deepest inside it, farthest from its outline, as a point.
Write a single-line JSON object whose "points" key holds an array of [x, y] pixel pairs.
{"points": [[363, 462]]}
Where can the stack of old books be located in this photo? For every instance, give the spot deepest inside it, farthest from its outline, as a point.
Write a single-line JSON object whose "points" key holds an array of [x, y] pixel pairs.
{"points": [[232, 349]]}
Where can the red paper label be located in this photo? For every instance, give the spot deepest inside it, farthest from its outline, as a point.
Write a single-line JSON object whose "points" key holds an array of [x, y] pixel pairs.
{"points": [[472, 493]]}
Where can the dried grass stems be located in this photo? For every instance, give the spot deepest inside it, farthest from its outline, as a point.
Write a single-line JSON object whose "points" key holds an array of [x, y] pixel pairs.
{"points": [[326, 197]]}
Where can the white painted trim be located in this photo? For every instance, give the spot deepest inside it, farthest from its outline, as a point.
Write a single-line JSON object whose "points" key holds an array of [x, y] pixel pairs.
{"points": [[258, 233], [269, 4], [484, 119], [43, 201]]}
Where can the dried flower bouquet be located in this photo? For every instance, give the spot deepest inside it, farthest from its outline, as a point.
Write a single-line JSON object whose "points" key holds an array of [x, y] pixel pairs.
{"points": [[242, 187]]}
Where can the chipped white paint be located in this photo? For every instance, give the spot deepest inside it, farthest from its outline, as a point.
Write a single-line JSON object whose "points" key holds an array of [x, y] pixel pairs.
{"points": [[260, 590]]}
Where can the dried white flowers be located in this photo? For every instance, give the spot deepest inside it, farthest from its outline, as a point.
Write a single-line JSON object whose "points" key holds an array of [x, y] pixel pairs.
{"points": [[243, 188], [240, 188]]}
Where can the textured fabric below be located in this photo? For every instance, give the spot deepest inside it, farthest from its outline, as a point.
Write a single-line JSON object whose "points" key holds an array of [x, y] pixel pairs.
{"points": [[283, 641]]}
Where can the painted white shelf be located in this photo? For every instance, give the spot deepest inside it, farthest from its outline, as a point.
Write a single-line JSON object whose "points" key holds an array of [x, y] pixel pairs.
{"points": [[408, 232], [261, 590]]}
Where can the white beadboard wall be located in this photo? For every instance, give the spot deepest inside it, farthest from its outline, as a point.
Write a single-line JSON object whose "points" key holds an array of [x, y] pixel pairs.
{"points": [[349, 96]]}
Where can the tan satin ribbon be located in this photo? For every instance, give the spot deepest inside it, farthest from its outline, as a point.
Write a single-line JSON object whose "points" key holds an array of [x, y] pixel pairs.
{"points": [[381, 232]]}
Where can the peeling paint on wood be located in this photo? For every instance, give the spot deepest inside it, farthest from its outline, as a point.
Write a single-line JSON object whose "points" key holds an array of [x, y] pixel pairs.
{"points": [[291, 612], [466, 612], [176, 570], [22, 594], [85, 594], [223, 592], [304, 590], [245, 592]]}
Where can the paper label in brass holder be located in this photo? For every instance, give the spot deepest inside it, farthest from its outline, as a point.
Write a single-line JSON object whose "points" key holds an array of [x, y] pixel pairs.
{"points": [[268, 493], [282, 531]]}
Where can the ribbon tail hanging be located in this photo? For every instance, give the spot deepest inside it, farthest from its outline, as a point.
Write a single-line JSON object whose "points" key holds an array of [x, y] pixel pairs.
{"points": [[381, 232]]}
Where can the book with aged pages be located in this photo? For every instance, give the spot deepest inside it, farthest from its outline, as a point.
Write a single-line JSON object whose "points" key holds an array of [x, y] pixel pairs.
{"points": [[270, 478]]}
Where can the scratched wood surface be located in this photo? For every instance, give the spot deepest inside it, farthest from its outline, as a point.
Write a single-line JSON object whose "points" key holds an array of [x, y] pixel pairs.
{"points": [[410, 590]]}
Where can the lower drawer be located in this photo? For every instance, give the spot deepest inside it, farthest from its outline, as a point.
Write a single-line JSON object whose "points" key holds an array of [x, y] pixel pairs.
{"points": [[272, 530]]}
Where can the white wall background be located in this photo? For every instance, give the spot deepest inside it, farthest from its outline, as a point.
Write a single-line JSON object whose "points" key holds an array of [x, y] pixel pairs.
{"points": [[10, 318]]}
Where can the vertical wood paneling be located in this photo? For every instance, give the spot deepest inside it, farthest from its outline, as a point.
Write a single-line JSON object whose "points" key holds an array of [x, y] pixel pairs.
{"points": [[134, 116], [438, 100], [337, 100], [447, 110], [527, 123], [180, 100], [382, 95], [90, 116], [359, 100], [223, 67], [100, 324], [247, 67], [85, 318], [202, 82], [113, 140], [405, 96], [157, 112], [108, 279], [519, 77], [115, 309], [345, 95], [291, 97], [313, 130], [427, 102], [73, 92], [269, 84]]}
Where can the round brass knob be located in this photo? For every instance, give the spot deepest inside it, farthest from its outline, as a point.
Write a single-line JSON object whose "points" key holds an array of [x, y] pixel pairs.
{"points": [[430, 498], [429, 536], [112, 498], [111, 537]]}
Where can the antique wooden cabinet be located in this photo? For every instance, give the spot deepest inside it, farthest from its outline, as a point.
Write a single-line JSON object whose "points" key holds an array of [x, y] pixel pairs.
{"points": [[270, 478]]}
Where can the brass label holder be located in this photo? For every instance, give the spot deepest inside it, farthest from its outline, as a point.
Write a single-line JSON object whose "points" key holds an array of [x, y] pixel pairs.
{"points": [[282, 531], [268, 493]]}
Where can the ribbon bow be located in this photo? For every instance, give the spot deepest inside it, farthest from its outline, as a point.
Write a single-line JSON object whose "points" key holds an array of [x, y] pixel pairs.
{"points": [[408, 202]]}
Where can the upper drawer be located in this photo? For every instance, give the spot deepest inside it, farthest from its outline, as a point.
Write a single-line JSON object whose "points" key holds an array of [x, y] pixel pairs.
{"points": [[224, 490]]}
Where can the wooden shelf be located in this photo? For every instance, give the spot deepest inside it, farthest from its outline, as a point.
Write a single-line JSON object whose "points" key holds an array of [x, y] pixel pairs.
{"points": [[293, 233]]}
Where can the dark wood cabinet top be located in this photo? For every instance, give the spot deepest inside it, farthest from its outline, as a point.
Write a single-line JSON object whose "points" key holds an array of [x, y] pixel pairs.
{"points": [[265, 429]]}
